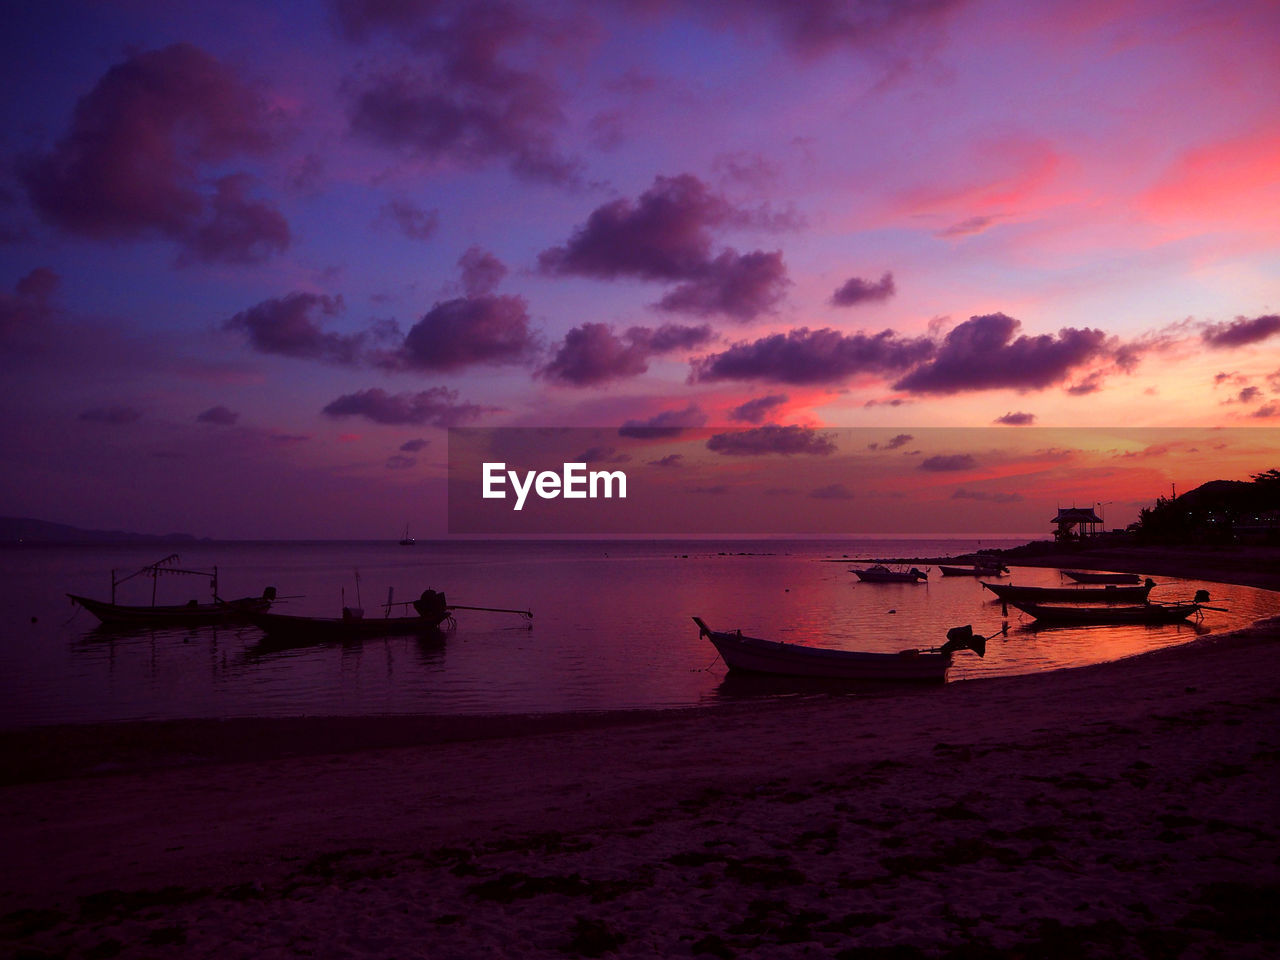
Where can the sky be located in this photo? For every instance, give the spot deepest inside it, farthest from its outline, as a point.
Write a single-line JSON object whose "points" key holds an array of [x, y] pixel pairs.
{"points": [[257, 259]]}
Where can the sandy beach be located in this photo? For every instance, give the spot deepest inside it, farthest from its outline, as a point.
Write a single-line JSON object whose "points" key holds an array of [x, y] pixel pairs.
{"points": [[1127, 809]]}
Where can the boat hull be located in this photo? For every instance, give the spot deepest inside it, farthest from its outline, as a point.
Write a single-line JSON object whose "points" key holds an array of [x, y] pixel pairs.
{"points": [[1010, 593], [754, 655], [1148, 613], [969, 571], [1085, 576], [191, 614], [339, 628]]}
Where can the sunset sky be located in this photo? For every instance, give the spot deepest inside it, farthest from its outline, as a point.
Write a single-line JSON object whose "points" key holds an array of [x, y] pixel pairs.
{"points": [[255, 259]]}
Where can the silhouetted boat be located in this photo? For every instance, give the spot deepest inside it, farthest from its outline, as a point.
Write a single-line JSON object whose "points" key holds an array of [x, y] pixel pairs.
{"points": [[1085, 576], [882, 574], [1010, 593], [753, 655], [407, 541], [975, 571], [1150, 613], [432, 611], [187, 614], [192, 613]]}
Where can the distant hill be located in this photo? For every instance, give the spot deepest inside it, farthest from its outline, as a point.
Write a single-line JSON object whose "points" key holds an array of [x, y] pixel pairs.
{"points": [[29, 530], [1216, 512]]}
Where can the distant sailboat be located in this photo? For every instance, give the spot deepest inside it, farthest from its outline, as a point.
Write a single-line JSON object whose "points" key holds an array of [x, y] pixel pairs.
{"points": [[407, 541]]}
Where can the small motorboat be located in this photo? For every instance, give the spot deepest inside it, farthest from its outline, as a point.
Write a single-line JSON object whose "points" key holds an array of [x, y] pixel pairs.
{"points": [[1086, 576], [1109, 593], [882, 574]]}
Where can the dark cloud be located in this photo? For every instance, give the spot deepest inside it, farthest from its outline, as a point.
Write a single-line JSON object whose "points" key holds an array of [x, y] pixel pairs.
{"points": [[219, 416], [668, 423], [772, 439], [1017, 419], [983, 354], [1267, 411], [818, 27], [805, 356], [415, 445], [437, 407], [893, 443], [136, 159], [114, 415], [1249, 394], [467, 331], [413, 221], [593, 353], [1241, 331], [945, 462], [1092, 383], [670, 460], [738, 286], [963, 494], [855, 290], [481, 272], [291, 326], [759, 409], [470, 100], [666, 236], [29, 308], [671, 337], [832, 491]]}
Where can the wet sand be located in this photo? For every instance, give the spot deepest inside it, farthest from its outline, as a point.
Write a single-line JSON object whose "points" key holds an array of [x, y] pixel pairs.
{"points": [[1123, 809]]}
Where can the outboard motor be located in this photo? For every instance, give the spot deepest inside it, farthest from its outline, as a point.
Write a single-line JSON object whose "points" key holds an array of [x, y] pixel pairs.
{"points": [[1202, 596], [269, 593], [963, 638]]}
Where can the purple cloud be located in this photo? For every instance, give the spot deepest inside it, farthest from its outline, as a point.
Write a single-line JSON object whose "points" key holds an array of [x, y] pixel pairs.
{"points": [[738, 286], [413, 446], [983, 354], [1241, 331], [437, 407], [772, 439], [29, 307], [137, 156], [666, 236], [759, 409], [467, 331], [805, 356], [946, 462], [669, 461], [893, 443], [602, 454], [668, 423], [219, 416], [399, 461], [413, 221], [115, 415], [832, 491], [481, 272], [291, 326], [593, 353], [1018, 419], [467, 102], [855, 290]]}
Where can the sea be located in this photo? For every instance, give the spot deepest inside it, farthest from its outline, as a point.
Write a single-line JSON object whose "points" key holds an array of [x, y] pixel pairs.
{"points": [[611, 626]]}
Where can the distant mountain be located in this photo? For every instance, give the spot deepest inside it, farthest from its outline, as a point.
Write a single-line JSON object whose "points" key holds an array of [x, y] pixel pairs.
{"points": [[29, 530]]}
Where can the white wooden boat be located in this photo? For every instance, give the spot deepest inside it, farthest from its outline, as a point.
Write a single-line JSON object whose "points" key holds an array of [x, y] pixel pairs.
{"points": [[754, 655]]}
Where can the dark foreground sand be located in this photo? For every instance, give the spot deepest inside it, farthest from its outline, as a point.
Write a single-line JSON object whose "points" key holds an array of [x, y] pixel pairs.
{"points": [[1129, 809]]}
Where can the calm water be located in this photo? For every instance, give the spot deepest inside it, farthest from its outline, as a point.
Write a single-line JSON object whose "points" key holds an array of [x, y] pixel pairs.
{"points": [[611, 626]]}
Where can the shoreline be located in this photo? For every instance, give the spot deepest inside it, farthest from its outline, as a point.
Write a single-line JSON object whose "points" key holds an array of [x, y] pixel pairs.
{"points": [[1124, 808], [58, 751]]}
